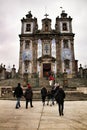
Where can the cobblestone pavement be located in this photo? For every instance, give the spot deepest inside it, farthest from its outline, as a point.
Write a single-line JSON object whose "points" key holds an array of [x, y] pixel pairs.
{"points": [[43, 118]]}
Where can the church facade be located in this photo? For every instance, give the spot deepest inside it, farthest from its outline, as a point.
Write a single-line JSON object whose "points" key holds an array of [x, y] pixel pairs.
{"points": [[47, 50]]}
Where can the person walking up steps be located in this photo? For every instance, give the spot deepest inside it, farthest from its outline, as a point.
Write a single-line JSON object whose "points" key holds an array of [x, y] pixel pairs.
{"points": [[51, 80]]}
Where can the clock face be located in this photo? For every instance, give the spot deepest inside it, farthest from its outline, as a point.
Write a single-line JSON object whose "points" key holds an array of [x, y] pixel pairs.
{"points": [[46, 49], [27, 55], [66, 54]]}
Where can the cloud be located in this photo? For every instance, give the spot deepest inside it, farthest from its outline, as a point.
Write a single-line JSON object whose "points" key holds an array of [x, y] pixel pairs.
{"points": [[12, 11]]}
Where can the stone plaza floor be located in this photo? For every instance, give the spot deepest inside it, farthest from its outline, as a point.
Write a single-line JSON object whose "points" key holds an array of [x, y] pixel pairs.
{"points": [[43, 118]]}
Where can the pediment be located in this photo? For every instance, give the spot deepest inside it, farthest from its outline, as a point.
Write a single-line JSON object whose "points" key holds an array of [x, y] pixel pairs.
{"points": [[47, 58]]}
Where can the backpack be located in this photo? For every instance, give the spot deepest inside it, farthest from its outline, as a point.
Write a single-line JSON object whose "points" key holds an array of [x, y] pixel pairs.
{"points": [[28, 94]]}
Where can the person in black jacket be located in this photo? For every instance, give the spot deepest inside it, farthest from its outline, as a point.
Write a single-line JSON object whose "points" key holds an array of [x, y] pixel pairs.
{"points": [[43, 94], [18, 93], [28, 95], [60, 95]]}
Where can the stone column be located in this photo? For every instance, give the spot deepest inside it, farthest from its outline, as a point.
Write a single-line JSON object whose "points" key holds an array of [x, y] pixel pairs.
{"points": [[34, 57], [20, 57], [58, 58], [73, 58]]}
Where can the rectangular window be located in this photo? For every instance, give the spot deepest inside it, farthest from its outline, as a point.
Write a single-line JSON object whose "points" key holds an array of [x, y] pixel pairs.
{"points": [[28, 27], [64, 25]]}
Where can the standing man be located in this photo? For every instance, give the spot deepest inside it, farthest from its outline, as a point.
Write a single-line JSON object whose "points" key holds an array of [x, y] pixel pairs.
{"points": [[60, 95], [43, 94], [18, 93], [28, 95]]}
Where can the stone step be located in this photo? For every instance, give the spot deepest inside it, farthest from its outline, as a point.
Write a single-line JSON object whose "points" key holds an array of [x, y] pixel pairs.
{"points": [[44, 82], [70, 96], [71, 89]]}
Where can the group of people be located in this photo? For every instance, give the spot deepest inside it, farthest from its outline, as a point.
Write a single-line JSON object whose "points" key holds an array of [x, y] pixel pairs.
{"points": [[28, 94], [57, 94]]}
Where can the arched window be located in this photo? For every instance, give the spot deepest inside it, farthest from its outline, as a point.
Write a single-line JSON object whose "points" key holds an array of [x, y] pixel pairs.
{"points": [[46, 27], [39, 50], [53, 48]]}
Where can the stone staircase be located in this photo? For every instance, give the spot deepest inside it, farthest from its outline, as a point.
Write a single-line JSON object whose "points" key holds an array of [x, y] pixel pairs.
{"points": [[71, 92], [77, 82], [74, 82]]}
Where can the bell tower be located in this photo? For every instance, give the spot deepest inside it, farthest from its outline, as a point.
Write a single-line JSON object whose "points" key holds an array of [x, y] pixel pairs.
{"points": [[65, 46], [46, 24], [27, 57]]}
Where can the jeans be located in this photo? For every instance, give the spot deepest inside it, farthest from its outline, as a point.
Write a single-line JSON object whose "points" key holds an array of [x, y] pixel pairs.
{"points": [[18, 102]]}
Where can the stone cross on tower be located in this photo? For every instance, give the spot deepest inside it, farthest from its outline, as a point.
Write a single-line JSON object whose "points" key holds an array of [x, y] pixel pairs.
{"points": [[46, 15]]}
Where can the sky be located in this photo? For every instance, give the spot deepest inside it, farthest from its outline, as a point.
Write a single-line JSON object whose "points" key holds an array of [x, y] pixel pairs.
{"points": [[12, 11]]}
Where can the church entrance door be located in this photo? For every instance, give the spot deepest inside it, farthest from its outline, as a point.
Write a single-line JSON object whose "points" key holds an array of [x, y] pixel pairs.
{"points": [[46, 69]]}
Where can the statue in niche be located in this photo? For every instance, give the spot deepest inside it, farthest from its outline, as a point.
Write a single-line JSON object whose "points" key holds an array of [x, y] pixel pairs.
{"points": [[46, 27]]}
